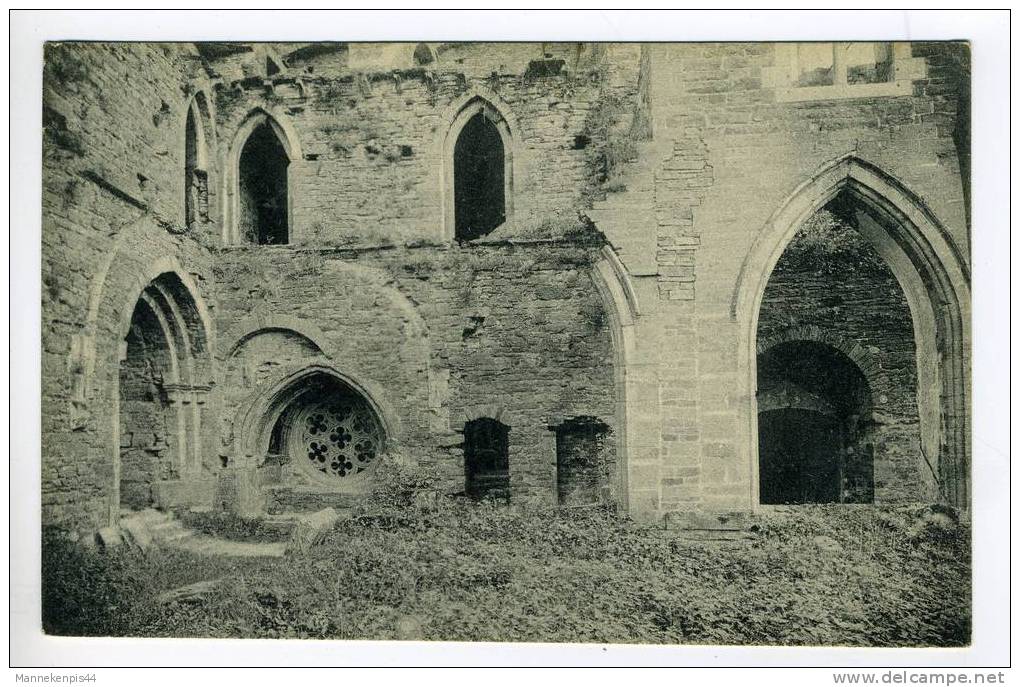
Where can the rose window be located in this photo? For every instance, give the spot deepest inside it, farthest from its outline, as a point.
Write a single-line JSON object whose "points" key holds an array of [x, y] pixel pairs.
{"points": [[338, 437]]}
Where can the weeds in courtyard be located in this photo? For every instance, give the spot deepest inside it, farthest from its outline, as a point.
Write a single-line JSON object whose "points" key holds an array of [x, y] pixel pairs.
{"points": [[414, 565]]}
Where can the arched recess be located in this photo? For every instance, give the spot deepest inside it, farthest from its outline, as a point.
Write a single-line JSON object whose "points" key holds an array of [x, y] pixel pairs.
{"points": [[259, 120], [255, 324], [871, 369], [254, 423], [459, 115], [196, 161], [934, 277], [816, 425], [164, 362], [619, 300], [423, 55]]}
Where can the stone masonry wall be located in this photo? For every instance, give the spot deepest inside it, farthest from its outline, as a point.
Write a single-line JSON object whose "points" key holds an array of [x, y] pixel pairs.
{"points": [[113, 157], [372, 141], [441, 335], [704, 152], [729, 152]]}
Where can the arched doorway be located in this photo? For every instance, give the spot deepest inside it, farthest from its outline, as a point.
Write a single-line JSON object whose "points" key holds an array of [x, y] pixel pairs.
{"points": [[934, 279], [161, 393], [814, 426]]}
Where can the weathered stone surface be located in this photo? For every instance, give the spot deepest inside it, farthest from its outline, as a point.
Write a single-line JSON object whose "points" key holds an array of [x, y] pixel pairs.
{"points": [[109, 538], [371, 284], [191, 493], [311, 530], [136, 533]]}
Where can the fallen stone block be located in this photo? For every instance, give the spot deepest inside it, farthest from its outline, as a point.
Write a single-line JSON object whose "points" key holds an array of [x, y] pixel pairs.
{"points": [[311, 530], [109, 538], [136, 533]]}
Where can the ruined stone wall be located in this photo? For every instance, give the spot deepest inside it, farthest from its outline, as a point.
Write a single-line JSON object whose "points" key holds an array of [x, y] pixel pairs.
{"points": [[372, 141], [438, 335], [679, 153], [113, 159], [729, 148]]}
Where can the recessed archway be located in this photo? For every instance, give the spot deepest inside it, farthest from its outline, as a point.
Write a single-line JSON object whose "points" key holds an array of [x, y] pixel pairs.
{"points": [[934, 278], [164, 365], [196, 163], [814, 420], [323, 424]]}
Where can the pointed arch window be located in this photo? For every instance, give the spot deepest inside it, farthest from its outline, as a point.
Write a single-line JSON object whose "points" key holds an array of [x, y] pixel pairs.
{"points": [[196, 177], [259, 188], [479, 176], [262, 186]]}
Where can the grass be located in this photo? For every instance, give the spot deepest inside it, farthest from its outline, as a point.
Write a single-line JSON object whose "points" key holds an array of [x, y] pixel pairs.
{"points": [[452, 570]]}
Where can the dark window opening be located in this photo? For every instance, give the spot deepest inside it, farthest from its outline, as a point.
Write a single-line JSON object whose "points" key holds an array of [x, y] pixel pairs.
{"points": [[263, 188], [582, 465], [196, 181], [479, 179], [814, 441], [487, 459]]}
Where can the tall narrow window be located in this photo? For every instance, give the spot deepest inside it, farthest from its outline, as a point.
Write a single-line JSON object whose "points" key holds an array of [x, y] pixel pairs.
{"points": [[479, 179], [487, 459], [196, 180], [262, 186]]}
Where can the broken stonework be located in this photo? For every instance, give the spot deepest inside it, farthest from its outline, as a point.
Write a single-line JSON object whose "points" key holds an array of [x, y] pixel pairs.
{"points": [[109, 538], [619, 265], [311, 530]]}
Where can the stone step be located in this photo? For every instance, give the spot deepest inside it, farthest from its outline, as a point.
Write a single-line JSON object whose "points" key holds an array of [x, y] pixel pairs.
{"points": [[166, 526], [148, 515], [212, 546]]}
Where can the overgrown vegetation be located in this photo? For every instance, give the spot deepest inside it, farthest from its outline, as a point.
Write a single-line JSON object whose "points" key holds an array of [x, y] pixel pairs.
{"points": [[612, 130], [230, 526], [560, 225], [414, 564], [830, 244]]}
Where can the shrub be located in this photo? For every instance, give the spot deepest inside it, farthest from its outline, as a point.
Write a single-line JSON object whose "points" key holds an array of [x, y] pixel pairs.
{"points": [[452, 569]]}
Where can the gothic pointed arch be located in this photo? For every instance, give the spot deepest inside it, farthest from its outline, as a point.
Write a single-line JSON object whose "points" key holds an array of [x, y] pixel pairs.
{"points": [[259, 188], [478, 166], [934, 277], [196, 162]]}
